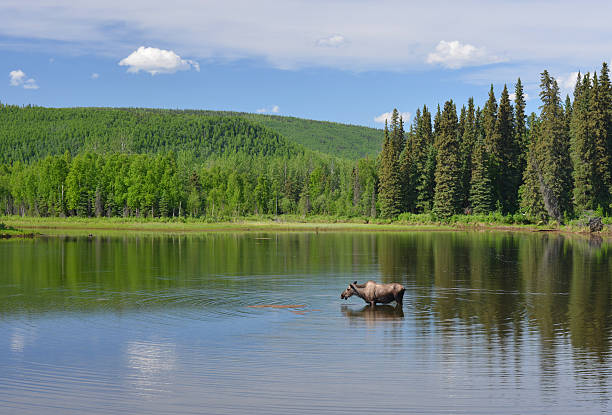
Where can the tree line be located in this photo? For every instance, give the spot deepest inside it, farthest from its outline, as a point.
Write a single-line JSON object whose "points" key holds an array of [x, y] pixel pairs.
{"points": [[554, 165], [170, 185], [118, 162]]}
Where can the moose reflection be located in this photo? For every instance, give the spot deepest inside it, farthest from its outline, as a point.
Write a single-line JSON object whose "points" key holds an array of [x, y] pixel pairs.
{"points": [[372, 314]]}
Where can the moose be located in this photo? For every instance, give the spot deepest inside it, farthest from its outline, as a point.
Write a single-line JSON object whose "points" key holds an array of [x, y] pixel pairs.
{"points": [[372, 292]]}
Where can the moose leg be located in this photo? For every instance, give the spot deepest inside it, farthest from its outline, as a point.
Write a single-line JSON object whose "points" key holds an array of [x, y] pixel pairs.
{"points": [[399, 297], [373, 303]]}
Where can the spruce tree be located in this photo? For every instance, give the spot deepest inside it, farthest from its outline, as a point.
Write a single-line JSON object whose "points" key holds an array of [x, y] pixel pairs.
{"points": [[598, 118], [582, 147], [605, 94], [508, 177], [407, 171], [389, 186], [447, 166], [466, 150], [520, 131], [481, 189], [551, 152], [531, 202], [436, 125], [489, 119], [425, 162]]}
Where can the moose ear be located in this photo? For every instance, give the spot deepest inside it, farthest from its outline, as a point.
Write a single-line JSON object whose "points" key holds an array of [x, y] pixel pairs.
{"points": [[355, 282]]}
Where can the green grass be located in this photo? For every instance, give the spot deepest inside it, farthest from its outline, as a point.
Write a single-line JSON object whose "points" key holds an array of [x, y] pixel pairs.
{"points": [[8, 231], [421, 222]]}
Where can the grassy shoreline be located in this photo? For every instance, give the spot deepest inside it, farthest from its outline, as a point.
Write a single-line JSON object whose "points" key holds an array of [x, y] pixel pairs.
{"points": [[271, 224]]}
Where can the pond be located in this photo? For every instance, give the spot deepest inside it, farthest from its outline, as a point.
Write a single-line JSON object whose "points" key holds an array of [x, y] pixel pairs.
{"points": [[232, 323]]}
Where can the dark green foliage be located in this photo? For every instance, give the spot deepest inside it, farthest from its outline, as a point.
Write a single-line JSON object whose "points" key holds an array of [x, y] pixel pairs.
{"points": [[447, 191], [468, 140], [389, 187], [508, 171], [424, 156], [340, 140], [520, 130], [481, 187], [599, 117], [548, 161], [531, 202], [489, 119], [582, 147], [32, 133]]}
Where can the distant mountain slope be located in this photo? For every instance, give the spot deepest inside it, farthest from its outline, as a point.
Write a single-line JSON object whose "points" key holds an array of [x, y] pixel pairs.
{"points": [[30, 133], [340, 140]]}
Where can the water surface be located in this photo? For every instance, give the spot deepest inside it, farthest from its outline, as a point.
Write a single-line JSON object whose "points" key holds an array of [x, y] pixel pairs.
{"points": [[150, 324]]}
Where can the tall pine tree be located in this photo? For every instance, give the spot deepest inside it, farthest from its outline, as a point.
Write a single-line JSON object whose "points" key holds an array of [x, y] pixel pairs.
{"points": [[466, 149], [549, 156], [508, 177], [582, 147], [447, 168], [389, 186], [481, 189], [600, 119]]}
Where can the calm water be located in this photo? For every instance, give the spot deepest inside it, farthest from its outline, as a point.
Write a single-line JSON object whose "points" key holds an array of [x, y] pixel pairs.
{"points": [[142, 324]]}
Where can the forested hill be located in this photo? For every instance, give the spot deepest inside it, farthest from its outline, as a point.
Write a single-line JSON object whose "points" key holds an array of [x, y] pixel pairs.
{"points": [[31, 133], [347, 141], [342, 140]]}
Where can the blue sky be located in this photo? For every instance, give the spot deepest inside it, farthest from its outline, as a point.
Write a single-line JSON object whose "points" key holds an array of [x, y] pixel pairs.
{"points": [[339, 60]]}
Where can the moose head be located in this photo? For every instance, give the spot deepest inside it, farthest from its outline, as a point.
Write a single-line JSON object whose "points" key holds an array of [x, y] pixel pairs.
{"points": [[350, 291]]}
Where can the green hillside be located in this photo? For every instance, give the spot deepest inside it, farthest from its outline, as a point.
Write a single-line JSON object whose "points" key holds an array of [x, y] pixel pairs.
{"points": [[341, 140], [31, 133]]}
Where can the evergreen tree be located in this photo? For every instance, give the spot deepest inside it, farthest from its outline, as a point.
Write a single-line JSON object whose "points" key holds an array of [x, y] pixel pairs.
{"points": [[550, 152], [520, 131], [492, 142], [489, 119], [436, 125], [532, 204], [481, 188], [425, 162], [508, 177], [447, 167], [389, 188], [582, 147], [408, 170], [466, 151], [600, 119]]}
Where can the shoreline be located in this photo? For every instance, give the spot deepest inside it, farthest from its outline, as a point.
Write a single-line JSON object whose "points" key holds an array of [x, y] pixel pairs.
{"points": [[27, 225]]}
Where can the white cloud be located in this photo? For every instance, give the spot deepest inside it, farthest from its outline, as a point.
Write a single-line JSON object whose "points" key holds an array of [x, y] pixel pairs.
{"points": [[387, 117], [275, 109], [156, 61], [30, 84], [95, 75], [567, 82], [455, 55], [18, 78], [332, 41], [285, 34]]}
